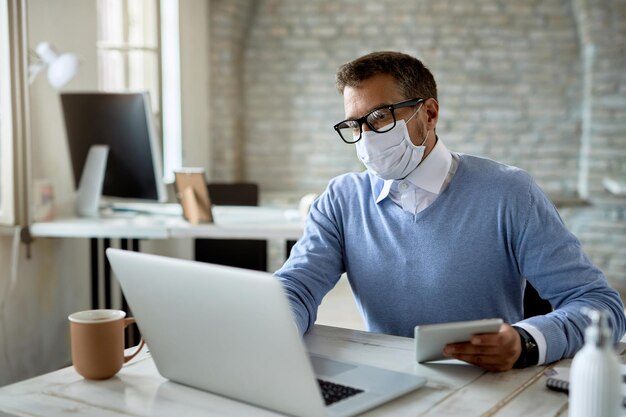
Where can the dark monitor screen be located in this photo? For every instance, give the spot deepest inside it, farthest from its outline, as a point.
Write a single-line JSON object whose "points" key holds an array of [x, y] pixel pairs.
{"points": [[123, 122]]}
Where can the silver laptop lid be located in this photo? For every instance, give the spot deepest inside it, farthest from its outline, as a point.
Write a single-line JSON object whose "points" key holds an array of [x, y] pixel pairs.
{"points": [[249, 350]]}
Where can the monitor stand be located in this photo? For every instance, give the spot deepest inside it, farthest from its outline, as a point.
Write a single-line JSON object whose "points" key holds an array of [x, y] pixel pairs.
{"points": [[91, 180]]}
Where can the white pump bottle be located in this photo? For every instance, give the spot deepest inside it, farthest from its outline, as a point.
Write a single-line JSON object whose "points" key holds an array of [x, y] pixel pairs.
{"points": [[595, 386]]}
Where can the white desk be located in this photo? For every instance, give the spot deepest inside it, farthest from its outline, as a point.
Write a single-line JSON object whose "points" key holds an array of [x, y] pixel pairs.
{"points": [[453, 389], [136, 227], [244, 222], [230, 222]]}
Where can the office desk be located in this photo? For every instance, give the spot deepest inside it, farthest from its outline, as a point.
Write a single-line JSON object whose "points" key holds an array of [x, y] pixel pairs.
{"points": [[244, 222], [453, 388], [231, 222]]}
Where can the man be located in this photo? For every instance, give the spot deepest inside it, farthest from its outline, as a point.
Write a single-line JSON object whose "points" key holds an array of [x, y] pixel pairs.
{"points": [[426, 235]]}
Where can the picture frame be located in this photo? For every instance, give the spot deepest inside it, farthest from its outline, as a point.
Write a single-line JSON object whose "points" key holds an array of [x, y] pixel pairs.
{"points": [[191, 190]]}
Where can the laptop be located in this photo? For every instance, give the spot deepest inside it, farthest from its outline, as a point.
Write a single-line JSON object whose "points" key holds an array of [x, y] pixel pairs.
{"points": [[231, 332]]}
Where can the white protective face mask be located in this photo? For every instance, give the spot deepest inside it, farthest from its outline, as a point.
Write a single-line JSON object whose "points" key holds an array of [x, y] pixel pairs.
{"points": [[390, 155]]}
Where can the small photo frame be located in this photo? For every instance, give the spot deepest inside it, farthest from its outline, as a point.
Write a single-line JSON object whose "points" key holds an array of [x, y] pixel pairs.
{"points": [[43, 200], [191, 190]]}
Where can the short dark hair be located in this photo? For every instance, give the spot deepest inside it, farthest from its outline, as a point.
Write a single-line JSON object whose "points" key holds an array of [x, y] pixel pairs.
{"points": [[414, 79]]}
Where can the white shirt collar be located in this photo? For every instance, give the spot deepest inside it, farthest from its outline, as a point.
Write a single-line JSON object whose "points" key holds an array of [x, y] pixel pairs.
{"points": [[429, 175]]}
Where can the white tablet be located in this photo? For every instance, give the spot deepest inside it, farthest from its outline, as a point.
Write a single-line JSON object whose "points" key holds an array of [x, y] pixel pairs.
{"points": [[430, 339]]}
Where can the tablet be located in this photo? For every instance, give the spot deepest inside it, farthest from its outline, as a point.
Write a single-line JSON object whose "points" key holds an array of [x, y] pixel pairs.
{"points": [[430, 339]]}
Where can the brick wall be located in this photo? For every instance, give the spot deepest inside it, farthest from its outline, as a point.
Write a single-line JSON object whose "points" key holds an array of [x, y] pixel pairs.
{"points": [[229, 23], [511, 79], [602, 226], [604, 27], [500, 68]]}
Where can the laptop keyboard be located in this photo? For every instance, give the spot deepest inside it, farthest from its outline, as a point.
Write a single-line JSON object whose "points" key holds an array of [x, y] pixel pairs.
{"points": [[335, 392]]}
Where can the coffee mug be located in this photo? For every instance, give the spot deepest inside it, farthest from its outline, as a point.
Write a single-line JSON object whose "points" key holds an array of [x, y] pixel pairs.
{"points": [[97, 341]]}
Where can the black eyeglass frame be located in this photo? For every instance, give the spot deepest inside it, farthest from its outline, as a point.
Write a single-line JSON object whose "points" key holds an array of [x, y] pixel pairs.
{"points": [[391, 107]]}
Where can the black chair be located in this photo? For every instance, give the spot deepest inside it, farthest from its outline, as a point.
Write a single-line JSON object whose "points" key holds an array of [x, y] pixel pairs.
{"points": [[534, 305], [249, 254]]}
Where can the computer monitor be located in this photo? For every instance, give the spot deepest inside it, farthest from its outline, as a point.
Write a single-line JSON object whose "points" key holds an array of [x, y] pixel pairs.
{"points": [[123, 122]]}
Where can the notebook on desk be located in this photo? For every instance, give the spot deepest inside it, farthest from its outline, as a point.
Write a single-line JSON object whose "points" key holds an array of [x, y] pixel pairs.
{"points": [[558, 379], [230, 331]]}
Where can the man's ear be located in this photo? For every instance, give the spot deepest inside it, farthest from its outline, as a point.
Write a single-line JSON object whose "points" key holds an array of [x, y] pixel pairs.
{"points": [[432, 112]]}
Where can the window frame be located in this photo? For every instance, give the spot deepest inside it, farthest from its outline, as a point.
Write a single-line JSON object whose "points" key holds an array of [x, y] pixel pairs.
{"points": [[7, 209], [125, 46], [14, 129], [165, 47]]}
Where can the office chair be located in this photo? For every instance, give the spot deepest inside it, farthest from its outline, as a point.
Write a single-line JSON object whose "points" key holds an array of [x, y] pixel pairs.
{"points": [[534, 305], [248, 254]]}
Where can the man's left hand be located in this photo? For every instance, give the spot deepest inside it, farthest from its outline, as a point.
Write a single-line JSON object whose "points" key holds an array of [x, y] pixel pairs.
{"points": [[491, 351]]}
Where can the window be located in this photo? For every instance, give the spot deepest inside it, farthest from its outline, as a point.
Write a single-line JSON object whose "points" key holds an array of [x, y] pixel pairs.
{"points": [[172, 120], [7, 215], [128, 49], [129, 57]]}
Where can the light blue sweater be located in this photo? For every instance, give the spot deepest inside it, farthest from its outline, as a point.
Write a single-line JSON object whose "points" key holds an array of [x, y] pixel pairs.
{"points": [[464, 257]]}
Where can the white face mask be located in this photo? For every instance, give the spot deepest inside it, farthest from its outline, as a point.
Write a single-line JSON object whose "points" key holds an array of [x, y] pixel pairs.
{"points": [[390, 155]]}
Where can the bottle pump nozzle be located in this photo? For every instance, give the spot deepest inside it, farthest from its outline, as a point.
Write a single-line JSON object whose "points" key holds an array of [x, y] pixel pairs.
{"points": [[599, 332]]}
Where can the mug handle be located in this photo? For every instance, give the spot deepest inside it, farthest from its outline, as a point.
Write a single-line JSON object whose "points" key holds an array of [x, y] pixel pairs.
{"points": [[127, 322]]}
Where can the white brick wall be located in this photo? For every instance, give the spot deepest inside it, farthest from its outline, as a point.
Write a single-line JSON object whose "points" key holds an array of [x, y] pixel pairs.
{"points": [[508, 74], [510, 78]]}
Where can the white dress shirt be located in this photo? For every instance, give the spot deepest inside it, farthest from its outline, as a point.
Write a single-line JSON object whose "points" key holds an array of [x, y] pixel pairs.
{"points": [[424, 184]]}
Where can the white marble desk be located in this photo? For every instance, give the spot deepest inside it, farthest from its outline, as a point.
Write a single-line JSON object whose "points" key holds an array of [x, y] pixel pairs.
{"points": [[453, 389]]}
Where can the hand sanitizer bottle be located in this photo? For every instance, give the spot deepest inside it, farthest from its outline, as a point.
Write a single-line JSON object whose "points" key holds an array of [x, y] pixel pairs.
{"points": [[595, 388]]}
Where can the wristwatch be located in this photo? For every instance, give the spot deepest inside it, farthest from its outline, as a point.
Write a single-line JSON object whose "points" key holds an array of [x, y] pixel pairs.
{"points": [[530, 351]]}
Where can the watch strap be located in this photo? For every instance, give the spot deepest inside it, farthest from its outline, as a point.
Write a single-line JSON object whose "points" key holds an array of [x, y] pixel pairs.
{"points": [[530, 351]]}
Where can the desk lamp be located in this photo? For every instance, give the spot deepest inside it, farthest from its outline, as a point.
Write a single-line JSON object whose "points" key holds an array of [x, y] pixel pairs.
{"points": [[61, 67]]}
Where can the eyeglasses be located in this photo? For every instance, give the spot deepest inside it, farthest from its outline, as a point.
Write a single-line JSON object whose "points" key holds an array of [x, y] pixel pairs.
{"points": [[380, 120]]}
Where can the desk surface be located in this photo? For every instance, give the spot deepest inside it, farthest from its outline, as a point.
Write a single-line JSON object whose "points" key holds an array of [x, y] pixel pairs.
{"points": [[453, 388], [231, 222]]}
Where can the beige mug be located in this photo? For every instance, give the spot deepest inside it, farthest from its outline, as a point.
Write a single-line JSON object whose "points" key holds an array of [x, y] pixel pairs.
{"points": [[97, 341]]}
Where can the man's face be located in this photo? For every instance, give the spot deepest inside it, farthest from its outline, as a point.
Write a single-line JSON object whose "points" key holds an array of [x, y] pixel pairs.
{"points": [[381, 90]]}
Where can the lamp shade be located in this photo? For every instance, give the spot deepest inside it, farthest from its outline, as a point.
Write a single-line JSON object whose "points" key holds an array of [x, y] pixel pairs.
{"points": [[61, 68]]}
